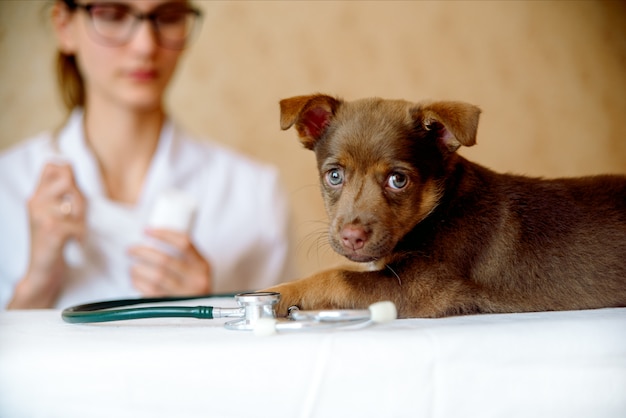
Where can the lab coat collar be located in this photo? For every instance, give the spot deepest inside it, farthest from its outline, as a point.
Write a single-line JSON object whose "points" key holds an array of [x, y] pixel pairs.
{"points": [[73, 146]]}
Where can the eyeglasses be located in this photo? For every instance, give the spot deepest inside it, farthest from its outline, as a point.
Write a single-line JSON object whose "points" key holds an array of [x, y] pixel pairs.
{"points": [[114, 24]]}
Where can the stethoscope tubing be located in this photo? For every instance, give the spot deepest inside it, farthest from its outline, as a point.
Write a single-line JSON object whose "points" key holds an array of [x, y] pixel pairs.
{"points": [[106, 311]]}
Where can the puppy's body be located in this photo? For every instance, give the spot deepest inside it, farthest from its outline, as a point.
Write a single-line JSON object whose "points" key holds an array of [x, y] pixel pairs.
{"points": [[448, 236]]}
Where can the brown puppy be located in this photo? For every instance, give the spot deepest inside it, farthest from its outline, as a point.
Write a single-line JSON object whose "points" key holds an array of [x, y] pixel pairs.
{"points": [[446, 236]]}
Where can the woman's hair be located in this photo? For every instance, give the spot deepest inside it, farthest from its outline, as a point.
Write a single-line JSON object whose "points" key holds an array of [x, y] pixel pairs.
{"points": [[70, 81], [71, 85]]}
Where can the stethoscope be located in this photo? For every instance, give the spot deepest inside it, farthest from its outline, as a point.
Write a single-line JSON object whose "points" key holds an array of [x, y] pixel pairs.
{"points": [[256, 312]]}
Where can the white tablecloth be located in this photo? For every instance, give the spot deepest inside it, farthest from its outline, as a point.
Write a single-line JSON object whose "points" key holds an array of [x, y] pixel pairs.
{"points": [[553, 364]]}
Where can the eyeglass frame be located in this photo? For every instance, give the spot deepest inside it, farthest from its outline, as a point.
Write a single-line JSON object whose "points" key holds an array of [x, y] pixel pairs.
{"points": [[72, 5]]}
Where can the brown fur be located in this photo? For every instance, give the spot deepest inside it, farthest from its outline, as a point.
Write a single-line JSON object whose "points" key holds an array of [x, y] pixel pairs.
{"points": [[448, 236]]}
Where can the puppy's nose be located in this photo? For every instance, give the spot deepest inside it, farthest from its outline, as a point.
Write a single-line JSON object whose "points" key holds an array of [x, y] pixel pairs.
{"points": [[353, 237]]}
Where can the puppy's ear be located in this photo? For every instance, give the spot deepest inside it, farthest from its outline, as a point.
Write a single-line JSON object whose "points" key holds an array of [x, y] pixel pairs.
{"points": [[311, 115], [455, 123]]}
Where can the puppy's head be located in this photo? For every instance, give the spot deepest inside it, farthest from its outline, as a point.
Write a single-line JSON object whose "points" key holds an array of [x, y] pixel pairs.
{"points": [[382, 163]]}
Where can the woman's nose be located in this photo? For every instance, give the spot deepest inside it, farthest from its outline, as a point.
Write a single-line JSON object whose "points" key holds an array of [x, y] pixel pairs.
{"points": [[145, 38]]}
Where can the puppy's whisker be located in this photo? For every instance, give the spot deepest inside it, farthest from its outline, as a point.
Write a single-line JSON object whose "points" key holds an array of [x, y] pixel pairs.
{"points": [[311, 242], [316, 240], [388, 267], [303, 188]]}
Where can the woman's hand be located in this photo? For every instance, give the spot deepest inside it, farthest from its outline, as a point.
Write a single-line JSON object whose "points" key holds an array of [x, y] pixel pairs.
{"points": [[158, 272], [56, 214]]}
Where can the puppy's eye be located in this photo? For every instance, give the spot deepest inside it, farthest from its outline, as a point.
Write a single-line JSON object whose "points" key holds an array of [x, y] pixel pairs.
{"points": [[397, 181], [334, 177]]}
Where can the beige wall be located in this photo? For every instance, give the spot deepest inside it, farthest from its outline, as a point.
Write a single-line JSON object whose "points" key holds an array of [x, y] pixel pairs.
{"points": [[549, 76]]}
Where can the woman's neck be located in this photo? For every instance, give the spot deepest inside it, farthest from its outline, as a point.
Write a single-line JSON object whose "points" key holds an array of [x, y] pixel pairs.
{"points": [[123, 142]]}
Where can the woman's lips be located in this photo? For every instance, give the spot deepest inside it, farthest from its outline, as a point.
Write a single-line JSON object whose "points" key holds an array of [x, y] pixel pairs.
{"points": [[143, 75]]}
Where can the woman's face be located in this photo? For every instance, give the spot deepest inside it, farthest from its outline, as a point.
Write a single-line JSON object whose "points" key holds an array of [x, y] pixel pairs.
{"points": [[130, 74]]}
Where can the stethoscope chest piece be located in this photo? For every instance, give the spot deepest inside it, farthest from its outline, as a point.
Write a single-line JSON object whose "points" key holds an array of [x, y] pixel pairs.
{"points": [[253, 306]]}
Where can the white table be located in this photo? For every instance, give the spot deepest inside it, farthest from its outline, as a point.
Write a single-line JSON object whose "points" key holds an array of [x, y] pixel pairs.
{"points": [[553, 364]]}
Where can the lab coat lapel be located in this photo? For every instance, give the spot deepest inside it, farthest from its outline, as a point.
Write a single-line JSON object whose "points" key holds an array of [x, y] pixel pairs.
{"points": [[72, 146], [161, 173]]}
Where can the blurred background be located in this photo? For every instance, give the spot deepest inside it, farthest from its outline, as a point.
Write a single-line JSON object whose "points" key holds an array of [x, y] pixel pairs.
{"points": [[550, 77]]}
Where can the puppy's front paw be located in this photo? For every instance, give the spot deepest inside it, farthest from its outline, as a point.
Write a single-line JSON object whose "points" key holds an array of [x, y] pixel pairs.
{"points": [[290, 295], [325, 290]]}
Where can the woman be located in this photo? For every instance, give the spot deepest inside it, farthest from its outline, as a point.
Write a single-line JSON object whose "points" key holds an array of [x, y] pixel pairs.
{"points": [[75, 204]]}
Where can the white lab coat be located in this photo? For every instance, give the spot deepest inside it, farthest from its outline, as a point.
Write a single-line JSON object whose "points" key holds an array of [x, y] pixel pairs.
{"points": [[241, 226]]}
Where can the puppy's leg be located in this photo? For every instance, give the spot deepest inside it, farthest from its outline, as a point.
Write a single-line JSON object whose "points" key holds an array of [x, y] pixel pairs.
{"points": [[336, 289], [345, 289]]}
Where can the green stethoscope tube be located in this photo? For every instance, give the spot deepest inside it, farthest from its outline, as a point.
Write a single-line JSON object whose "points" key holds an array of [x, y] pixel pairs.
{"points": [[106, 312]]}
